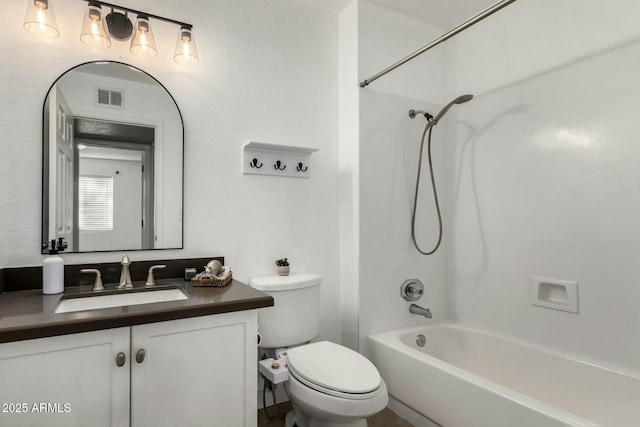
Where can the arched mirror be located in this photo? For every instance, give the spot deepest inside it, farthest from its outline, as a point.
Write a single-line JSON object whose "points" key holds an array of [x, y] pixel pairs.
{"points": [[112, 161]]}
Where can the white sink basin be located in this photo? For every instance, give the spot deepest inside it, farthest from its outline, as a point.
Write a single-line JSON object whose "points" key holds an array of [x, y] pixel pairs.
{"points": [[97, 301]]}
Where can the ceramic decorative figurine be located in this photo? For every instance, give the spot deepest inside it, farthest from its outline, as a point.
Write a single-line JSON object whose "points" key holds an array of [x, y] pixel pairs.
{"points": [[214, 267]]}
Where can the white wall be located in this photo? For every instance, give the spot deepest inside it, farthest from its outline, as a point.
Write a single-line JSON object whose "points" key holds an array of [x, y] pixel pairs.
{"points": [[268, 72], [543, 174], [349, 176], [388, 152]]}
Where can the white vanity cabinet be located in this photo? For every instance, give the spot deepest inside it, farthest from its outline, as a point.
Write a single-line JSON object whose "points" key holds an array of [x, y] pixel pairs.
{"points": [[198, 371], [69, 380]]}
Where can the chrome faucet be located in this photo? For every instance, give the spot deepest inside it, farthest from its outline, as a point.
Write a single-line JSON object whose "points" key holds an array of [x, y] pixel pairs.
{"points": [[416, 309], [125, 275]]}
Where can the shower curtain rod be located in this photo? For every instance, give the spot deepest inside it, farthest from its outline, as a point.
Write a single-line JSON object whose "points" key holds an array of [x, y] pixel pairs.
{"points": [[479, 17]]}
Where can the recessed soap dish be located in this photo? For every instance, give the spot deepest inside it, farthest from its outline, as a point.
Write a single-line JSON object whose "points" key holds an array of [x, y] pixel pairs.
{"points": [[554, 294]]}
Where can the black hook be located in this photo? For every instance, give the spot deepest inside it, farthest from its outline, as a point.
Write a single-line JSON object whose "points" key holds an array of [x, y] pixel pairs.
{"points": [[278, 164], [254, 164], [300, 168]]}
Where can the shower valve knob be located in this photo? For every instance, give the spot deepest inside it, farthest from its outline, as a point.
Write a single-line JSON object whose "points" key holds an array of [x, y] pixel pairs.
{"points": [[411, 290]]}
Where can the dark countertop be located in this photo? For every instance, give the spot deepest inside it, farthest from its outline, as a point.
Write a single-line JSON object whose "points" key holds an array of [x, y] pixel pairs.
{"points": [[30, 314]]}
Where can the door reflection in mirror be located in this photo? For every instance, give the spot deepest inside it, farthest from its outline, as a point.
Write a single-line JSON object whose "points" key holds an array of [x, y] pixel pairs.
{"points": [[120, 216]]}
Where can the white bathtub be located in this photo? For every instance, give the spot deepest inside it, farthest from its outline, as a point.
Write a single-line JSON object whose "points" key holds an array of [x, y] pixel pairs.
{"points": [[469, 378]]}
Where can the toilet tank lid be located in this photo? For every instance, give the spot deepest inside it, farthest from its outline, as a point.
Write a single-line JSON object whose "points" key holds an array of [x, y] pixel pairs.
{"points": [[284, 283]]}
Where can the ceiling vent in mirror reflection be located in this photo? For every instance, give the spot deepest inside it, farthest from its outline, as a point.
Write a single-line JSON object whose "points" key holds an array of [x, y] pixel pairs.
{"points": [[136, 145], [112, 98], [100, 28]]}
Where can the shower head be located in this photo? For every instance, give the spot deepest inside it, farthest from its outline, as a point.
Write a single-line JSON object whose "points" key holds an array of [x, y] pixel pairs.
{"points": [[459, 100], [462, 99]]}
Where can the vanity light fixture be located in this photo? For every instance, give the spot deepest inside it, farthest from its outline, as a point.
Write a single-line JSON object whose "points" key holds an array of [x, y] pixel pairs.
{"points": [[93, 33], [186, 52], [120, 28], [40, 19], [143, 44]]}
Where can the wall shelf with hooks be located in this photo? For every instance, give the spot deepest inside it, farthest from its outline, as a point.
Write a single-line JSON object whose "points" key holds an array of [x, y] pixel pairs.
{"points": [[273, 159]]}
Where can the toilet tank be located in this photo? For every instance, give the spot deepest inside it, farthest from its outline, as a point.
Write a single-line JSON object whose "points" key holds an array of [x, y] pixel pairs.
{"points": [[295, 317]]}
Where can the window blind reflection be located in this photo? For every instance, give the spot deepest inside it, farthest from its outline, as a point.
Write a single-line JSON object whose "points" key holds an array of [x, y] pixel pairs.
{"points": [[95, 197]]}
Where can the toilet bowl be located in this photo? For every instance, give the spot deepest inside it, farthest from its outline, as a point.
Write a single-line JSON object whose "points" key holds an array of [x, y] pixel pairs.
{"points": [[329, 385]]}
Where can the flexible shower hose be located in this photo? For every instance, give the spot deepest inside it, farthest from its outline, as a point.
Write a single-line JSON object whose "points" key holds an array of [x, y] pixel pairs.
{"points": [[428, 127]]}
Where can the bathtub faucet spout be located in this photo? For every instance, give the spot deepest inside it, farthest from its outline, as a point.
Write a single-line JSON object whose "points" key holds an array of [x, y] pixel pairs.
{"points": [[416, 309]]}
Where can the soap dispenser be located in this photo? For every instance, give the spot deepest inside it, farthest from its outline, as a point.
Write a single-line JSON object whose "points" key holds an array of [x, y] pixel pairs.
{"points": [[53, 268]]}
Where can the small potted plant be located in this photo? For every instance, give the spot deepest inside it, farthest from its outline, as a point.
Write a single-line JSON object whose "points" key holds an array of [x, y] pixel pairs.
{"points": [[283, 267]]}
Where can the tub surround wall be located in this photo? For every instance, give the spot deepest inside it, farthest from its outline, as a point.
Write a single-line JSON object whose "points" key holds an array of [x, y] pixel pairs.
{"points": [[388, 257], [267, 72], [388, 152], [542, 174], [526, 39]]}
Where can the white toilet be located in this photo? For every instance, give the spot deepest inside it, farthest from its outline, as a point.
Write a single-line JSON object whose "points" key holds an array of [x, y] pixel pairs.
{"points": [[329, 385]]}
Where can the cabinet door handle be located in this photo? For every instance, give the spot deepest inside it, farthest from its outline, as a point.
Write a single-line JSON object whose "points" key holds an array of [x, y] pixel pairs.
{"points": [[140, 356], [120, 359]]}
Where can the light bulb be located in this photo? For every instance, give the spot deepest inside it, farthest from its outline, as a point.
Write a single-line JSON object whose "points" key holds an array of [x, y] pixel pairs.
{"points": [[93, 33], [143, 44], [40, 19], [185, 51]]}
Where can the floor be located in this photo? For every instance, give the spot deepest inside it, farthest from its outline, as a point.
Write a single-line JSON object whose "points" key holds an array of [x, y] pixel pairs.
{"points": [[386, 418]]}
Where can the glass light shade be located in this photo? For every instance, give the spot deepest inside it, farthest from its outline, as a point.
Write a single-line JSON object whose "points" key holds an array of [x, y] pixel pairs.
{"points": [[40, 19], [93, 33], [186, 52], [143, 43]]}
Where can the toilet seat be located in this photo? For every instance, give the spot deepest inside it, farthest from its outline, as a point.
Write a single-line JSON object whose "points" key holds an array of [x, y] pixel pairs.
{"points": [[323, 407], [334, 370]]}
